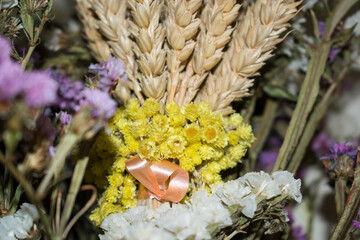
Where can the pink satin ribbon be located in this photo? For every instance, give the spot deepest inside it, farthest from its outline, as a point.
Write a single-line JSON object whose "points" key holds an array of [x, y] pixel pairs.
{"points": [[163, 180]]}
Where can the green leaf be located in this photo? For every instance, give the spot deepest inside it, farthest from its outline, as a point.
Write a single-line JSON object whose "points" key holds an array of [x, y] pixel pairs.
{"points": [[27, 20], [315, 24], [278, 92], [15, 201]]}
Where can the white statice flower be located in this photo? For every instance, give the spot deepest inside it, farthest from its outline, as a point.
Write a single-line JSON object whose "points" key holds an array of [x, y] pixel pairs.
{"points": [[148, 231], [210, 209], [261, 184], [115, 226], [352, 21], [184, 223], [9, 3], [140, 213], [288, 184], [19, 225], [232, 192]]}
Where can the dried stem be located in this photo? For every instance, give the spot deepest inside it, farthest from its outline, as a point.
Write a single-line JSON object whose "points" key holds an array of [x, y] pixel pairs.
{"points": [[351, 208]]}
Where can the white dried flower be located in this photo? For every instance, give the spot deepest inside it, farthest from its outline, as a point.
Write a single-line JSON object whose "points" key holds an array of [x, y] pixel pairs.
{"points": [[210, 209], [288, 184], [261, 184], [232, 192], [19, 225], [9, 3], [147, 230]]}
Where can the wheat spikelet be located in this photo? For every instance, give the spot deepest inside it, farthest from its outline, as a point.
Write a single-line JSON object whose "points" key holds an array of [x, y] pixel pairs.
{"points": [[253, 41], [181, 25], [149, 35], [100, 50], [217, 17]]}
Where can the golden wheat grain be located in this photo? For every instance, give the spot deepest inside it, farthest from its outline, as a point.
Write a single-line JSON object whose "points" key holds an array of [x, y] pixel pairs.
{"points": [[216, 19], [253, 41]]}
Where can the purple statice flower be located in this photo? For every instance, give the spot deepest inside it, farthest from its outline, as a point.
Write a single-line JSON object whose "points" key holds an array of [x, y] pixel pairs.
{"points": [[267, 160], [5, 47], [39, 89], [11, 83], [338, 149], [321, 26], [100, 103], [64, 117], [356, 224], [109, 72], [333, 53], [69, 93]]}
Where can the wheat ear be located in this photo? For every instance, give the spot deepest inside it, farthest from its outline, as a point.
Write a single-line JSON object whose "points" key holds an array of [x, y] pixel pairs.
{"points": [[253, 41], [181, 25], [99, 49], [149, 36], [217, 17]]}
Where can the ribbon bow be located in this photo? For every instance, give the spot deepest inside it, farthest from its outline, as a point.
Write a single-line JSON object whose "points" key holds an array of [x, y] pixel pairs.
{"points": [[163, 180]]}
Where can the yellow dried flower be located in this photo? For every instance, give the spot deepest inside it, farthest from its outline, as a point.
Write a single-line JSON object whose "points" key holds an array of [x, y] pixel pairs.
{"points": [[172, 108], [149, 150], [133, 109], [245, 134], [151, 107], [192, 112], [233, 137], [235, 120], [177, 120], [209, 153], [116, 179], [119, 165], [192, 133], [210, 134], [138, 128], [112, 194], [176, 144]]}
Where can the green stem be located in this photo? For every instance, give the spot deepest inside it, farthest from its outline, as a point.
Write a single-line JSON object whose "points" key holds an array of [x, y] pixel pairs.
{"points": [[62, 150], [351, 208], [307, 97], [76, 181], [263, 131], [313, 122], [34, 42], [28, 189]]}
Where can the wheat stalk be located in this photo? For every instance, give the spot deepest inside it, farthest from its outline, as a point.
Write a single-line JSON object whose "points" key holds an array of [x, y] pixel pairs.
{"points": [[252, 44], [217, 17], [149, 35]]}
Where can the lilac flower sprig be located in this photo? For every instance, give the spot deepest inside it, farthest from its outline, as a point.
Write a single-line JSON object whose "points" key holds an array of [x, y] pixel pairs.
{"points": [[109, 72], [338, 149], [356, 224], [37, 88]]}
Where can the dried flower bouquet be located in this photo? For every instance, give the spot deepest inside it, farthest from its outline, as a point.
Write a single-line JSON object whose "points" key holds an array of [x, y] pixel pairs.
{"points": [[186, 61]]}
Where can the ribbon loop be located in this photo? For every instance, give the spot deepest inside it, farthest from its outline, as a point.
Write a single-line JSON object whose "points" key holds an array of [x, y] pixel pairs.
{"points": [[165, 181]]}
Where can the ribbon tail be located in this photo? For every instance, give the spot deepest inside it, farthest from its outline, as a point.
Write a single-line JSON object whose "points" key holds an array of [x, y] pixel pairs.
{"points": [[141, 170]]}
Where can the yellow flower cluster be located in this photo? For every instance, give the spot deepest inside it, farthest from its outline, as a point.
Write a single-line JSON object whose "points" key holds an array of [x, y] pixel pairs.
{"points": [[200, 141]]}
